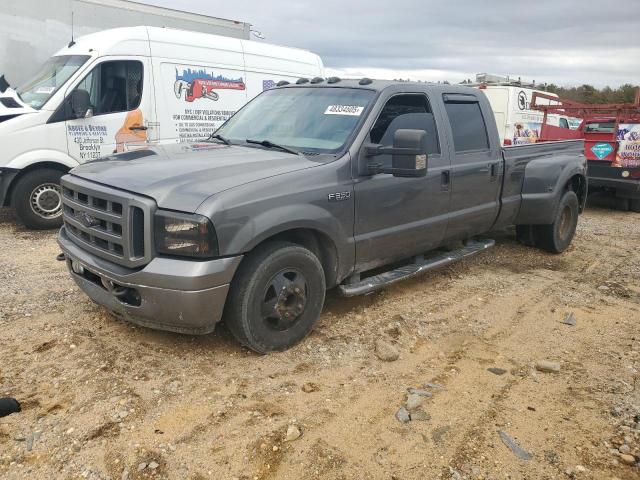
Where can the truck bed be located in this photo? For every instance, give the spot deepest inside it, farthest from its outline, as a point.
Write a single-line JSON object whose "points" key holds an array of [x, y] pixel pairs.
{"points": [[529, 199]]}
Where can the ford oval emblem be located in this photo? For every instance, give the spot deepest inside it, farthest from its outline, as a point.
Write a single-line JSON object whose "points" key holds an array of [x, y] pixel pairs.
{"points": [[87, 220]]}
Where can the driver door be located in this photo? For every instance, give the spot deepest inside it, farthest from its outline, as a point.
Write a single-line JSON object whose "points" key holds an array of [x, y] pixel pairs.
{"points": [[400, 217], [121, 112]]}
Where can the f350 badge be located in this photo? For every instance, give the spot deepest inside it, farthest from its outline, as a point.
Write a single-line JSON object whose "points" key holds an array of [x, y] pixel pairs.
{"points": [[339, 196]]}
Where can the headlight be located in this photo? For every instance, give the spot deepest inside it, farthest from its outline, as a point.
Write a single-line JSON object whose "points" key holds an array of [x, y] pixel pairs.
{"points": [[184, 234]]}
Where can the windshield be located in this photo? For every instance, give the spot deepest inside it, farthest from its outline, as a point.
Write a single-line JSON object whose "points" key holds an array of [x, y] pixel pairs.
{"points": [[313, 120], [53, 74], [602, 127]]}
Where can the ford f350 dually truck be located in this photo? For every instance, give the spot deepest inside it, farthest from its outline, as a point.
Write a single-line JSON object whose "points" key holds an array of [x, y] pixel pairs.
{"points": [[354, 184]]}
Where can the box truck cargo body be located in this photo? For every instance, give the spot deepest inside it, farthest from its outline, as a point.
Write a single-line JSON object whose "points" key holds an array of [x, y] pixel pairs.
{"points": [[121, 89], [517, 122]]}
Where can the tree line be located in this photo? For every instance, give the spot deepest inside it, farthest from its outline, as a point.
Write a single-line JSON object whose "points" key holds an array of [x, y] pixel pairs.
{"points": [[590, 94]]}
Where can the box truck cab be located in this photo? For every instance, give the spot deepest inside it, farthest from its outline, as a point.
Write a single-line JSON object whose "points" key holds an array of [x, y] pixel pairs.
{"points": [[517, 123], [121, 89]]}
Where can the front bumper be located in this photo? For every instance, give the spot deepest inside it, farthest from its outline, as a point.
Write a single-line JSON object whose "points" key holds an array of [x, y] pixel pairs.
{"points": [[6, 177], [167, 294]]}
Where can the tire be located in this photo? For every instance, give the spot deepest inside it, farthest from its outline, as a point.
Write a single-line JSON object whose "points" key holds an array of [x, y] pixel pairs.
{"points": [[634, 205], [525, 235], [37, 199], [264, 320], [556, 238]]}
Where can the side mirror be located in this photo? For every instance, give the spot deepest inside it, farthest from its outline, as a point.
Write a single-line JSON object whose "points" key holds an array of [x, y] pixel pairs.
{"points": [[408, 154], [80, 103]]}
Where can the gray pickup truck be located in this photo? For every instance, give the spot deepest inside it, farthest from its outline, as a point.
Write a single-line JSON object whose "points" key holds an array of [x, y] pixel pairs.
{"points": [[354, 184]]}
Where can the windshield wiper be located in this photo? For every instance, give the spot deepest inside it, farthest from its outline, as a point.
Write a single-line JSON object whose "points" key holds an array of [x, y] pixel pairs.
{"points": [[215, 136], [270, 144]]}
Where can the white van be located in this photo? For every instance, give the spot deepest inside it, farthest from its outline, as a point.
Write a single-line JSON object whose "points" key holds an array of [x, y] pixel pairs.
{"points": [[517, 123], [120, 89]]}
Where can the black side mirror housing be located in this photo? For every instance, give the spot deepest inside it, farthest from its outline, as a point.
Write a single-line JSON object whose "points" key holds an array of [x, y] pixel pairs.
{"points": [[80, 103], [408, 154]]}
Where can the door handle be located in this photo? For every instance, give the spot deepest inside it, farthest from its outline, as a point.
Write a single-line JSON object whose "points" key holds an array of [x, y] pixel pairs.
{"points": [[445, 180], [139, 127]]}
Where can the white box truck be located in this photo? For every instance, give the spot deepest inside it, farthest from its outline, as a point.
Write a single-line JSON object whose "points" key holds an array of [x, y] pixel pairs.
{"points": [[517, 123], [122, 88], [510, 101]]}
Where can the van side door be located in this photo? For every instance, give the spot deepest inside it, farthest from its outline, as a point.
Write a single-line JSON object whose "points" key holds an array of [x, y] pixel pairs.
{"points": [[120, 109], [476, 165], [396, 217]]}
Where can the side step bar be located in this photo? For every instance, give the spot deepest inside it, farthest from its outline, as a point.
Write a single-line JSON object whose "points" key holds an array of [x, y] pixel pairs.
{"points": [[376, 282]]}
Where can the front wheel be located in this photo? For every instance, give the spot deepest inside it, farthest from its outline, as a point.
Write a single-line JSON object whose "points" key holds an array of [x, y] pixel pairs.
{"points": [[276, 297], [556, 238], [37, 199]]}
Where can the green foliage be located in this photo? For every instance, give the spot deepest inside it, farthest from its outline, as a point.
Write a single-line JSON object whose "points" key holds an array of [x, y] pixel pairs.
{"points": [[589, 94]]}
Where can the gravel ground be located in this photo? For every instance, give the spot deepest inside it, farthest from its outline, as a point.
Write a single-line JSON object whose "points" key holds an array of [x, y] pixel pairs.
{"points": [[502, 388]]}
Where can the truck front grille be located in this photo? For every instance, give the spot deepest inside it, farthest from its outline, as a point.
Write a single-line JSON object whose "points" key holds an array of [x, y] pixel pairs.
{"points": [[107, 222]]}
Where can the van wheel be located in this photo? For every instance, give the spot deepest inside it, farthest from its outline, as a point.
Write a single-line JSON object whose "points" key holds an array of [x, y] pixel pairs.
{"points": [[276, 297], [634, 205], [37, 199], [556, 238]]}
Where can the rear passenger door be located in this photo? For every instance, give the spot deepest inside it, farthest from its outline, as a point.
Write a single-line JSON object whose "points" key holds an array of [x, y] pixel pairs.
{"points": [[476, 168]]}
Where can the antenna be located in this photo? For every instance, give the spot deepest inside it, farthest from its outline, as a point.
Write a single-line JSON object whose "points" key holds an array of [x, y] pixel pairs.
{"points": [[72, 42]]}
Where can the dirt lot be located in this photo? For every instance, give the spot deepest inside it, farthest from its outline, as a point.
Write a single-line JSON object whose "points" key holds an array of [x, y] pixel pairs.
{"points": [[104, 399]]}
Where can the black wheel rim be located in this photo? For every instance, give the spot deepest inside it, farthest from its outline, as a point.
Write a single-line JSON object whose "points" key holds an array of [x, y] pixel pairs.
{"points": [[284, 299]]}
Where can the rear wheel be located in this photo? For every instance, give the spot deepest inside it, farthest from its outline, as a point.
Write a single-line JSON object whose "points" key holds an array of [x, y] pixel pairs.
{"points": [[634, 205], [556, 238], [276, 297], [37, 199]]}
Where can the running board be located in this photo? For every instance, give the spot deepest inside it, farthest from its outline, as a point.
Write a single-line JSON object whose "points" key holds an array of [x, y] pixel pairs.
{"points": [[376, 282]]}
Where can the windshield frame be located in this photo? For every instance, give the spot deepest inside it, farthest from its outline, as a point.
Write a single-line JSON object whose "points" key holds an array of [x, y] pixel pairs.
{"points": [[84, 59], [312, 151]]}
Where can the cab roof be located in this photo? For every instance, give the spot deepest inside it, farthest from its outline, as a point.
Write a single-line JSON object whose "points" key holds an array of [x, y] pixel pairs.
{"points": [[378, 85]]}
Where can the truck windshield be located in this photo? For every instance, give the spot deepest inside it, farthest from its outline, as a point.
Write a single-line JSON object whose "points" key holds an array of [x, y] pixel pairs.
{"points": [[313, 120], [52, 75], [601, 127]]}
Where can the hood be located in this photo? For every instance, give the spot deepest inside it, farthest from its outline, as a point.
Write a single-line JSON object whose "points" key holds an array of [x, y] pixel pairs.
{"points": [[182, 176]]}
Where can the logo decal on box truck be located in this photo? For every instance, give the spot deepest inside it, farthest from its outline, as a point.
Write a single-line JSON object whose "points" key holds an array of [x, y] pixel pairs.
{"points": [[601, 150], [523, 102], [628, 154], [196, 84], [268, 85]]}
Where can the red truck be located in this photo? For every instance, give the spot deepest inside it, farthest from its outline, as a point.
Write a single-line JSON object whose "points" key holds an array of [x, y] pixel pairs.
{"points": [[611, 134]]}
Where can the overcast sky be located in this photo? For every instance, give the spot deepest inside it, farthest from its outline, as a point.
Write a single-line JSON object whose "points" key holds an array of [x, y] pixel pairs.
{"points": [[568, 42]]}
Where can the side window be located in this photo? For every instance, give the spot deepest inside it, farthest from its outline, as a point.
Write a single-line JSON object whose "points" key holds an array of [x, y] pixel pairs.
{"points": [[405, 111], [564, 123], [467, 125], [114, 86]]}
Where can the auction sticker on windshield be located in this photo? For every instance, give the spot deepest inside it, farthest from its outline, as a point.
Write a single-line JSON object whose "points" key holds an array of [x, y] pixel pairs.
{"points": [[353, 110]]}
